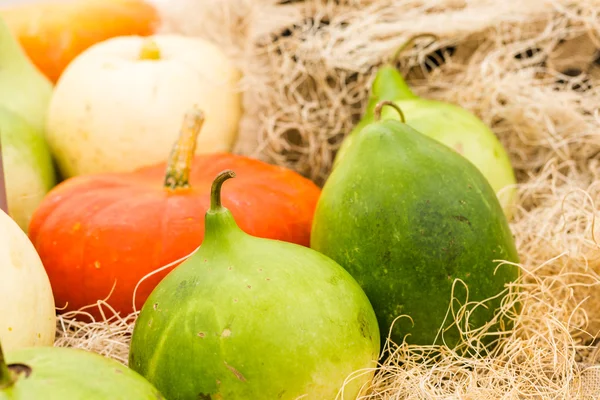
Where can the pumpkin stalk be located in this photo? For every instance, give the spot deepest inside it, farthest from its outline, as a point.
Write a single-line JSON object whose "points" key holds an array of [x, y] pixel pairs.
{"points": [[182, 155], [215, 191], [380, 105], [150, 50], [6, 378]]}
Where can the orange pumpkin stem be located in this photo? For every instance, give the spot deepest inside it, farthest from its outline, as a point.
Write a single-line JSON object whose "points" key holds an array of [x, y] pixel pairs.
{"points": [[150, 50], [182, 155], [6, 379], [215, 190]]}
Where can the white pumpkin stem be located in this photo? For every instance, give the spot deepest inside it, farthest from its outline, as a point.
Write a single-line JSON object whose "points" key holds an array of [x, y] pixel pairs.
{"points": [[150, 50], [182, 155]]}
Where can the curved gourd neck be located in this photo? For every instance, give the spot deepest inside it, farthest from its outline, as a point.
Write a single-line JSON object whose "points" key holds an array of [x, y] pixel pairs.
{"points": [[219, 223]]}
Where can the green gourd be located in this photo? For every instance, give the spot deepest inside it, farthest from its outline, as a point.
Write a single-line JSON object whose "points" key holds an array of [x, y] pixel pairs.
{"points": [[445, 122], [61, 373], [25, 90], [408, 217], [28, 167], [251, 318]]}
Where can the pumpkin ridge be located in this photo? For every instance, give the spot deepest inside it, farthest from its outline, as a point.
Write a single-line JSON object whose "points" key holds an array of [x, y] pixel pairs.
{"points": [[162, 255], [65, 206], [96, 228], [51, 211], [65, 237]]}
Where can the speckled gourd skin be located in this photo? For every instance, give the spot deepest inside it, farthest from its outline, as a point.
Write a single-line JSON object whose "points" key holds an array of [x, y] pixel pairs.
{"points": [[406, 216], [253, 318], [449, 124]]}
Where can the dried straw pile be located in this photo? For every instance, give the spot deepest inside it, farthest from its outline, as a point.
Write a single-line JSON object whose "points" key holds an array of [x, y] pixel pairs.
{"points": [[529, 69]]}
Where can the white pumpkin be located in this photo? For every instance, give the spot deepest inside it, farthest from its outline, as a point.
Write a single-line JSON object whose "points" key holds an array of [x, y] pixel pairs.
{"points": [[119, 104], [27, 312]]}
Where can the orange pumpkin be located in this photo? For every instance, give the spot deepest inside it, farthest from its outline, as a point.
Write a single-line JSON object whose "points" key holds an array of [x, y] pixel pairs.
{"points": [[53, 33], [96, 231]]}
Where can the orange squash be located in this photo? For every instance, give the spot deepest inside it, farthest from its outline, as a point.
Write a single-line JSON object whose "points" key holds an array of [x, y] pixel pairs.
{"points": [[96, 231], [53, 33]]}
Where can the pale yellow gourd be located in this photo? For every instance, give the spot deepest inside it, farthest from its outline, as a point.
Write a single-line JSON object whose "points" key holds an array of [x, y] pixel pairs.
{"points": [[120, 103], [27, 311]]}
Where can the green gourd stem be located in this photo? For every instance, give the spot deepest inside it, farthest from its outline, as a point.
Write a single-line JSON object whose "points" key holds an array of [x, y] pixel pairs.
{"points": [[389, 84], [150, 50], [215, 191], [182, 155], [220, 228], [379, 106], [6, 378], [411, 41]]}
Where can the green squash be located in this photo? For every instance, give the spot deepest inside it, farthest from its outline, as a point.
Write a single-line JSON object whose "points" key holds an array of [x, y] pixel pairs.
{"points": [[28, 166], [251, 318], [407, 216], [447, 123], [63, 373], [24, 89]]}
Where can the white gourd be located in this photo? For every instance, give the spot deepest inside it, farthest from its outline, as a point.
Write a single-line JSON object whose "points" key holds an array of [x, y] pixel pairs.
{"points": [[119, 104], [27, 311]]}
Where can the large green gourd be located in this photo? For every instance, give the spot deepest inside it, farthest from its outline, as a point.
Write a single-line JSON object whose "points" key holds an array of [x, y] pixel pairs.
{"points": [[253, 318], [445, 122], [407, 216]]}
